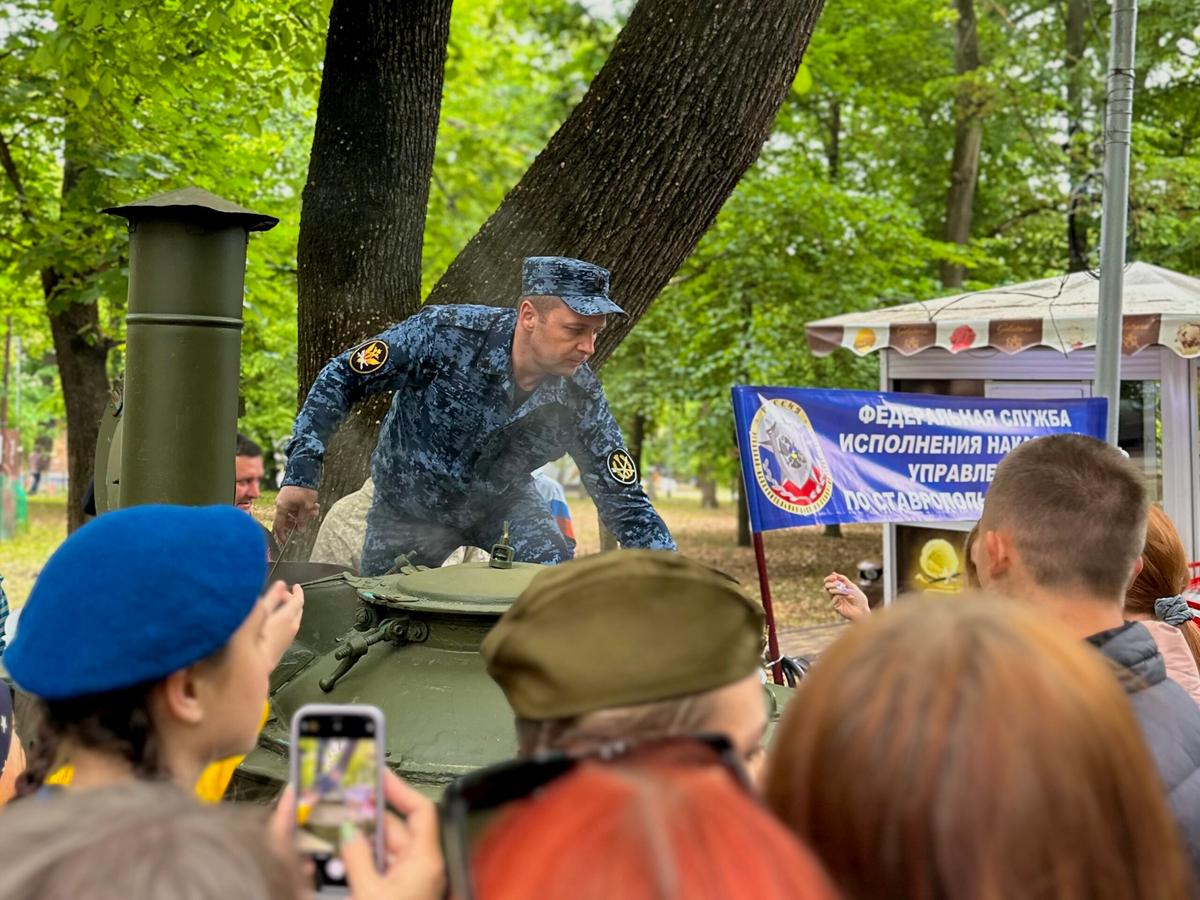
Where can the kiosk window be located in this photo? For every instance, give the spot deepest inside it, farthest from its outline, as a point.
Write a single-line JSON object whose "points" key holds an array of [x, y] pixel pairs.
{"points": [[1139, 430]]}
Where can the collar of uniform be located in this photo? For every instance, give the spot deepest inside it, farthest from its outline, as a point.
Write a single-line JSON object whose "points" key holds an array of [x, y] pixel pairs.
{"points": [[495, 356]]}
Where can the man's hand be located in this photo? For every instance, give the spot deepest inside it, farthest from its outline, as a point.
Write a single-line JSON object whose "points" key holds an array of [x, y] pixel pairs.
{"points": [[294, 508], [848, 601], [284, 609], [414, 869]]}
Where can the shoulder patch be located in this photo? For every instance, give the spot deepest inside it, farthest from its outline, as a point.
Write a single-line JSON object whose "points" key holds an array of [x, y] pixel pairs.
{"points": [[369, 357], [621, 467]]}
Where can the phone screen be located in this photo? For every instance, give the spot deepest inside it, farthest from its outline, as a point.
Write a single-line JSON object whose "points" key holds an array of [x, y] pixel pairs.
{"points": [[337, 774]]}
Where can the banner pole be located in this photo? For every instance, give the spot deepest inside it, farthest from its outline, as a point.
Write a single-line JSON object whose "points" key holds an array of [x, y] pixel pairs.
{"points": [[765, 588]]}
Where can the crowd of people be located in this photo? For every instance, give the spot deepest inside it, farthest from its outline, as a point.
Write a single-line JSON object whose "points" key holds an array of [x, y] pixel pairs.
{"points": [[1036, 737]]}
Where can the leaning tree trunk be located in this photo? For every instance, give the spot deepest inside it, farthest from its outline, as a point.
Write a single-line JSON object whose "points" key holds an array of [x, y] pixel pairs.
{"points": [[643, 164], [968, 140], [363, 218]]}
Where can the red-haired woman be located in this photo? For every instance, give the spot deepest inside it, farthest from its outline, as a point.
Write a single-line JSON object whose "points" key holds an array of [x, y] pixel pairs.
{"points": [[1155, 599], [669, 823]]}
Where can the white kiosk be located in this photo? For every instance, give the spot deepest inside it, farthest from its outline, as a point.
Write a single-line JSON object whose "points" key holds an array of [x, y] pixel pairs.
{"points": [[1037, 340]]}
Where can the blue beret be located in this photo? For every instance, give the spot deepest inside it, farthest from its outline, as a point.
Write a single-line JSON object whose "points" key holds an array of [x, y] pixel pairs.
{"points": [[135, 595], [581, 285]]}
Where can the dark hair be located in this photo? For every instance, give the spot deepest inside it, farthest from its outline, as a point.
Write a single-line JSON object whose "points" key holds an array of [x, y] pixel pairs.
{"points": [[116, 723], [1076, 509], [247, 447]]}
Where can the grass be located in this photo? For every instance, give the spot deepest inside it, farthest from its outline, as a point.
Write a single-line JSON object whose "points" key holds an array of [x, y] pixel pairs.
{"points": [[22, 557], [797, 560]]}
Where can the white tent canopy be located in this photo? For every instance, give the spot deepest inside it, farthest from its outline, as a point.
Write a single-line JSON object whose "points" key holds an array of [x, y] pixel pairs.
{"points": [[1161, 307]]}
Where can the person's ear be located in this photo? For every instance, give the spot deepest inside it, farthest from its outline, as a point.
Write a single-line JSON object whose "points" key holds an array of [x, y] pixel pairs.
{"points": [[527, 315], [1138, 565], [999, 552], [180, 694]]}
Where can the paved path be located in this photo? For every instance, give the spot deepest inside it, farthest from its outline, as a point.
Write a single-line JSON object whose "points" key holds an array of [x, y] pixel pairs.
{"points": [[809, 642]]}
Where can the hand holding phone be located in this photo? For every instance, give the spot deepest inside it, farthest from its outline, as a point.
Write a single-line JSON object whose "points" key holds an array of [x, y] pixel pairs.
{"points": [[415, 868], [337, 773]]}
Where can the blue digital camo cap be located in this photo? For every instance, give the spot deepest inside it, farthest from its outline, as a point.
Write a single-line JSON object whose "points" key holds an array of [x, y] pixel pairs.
{"points": [[581, 285], [135, 595]]}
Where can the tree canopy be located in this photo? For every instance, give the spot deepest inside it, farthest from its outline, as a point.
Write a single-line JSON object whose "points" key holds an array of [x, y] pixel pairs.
{"points": [[104, 102]]}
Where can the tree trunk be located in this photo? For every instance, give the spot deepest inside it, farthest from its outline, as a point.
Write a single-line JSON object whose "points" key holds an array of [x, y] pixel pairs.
{"points": [[743, 523], [637, 437], [363, 219], [708, 491], [643, 164], [1076, 148], [81, 351], [833, 151], [968, 140], [832, 531], [608, 540]]}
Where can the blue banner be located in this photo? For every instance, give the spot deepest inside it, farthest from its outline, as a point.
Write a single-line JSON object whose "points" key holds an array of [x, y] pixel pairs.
{"points": [[816, 457]]}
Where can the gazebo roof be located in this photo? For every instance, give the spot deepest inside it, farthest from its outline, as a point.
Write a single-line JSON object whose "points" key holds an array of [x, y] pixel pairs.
{"points": [[1161, 307]]}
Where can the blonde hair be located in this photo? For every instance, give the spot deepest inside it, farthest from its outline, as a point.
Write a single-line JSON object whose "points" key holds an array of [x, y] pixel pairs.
{"points": [[660, 718], [138, 841], [973, 750]]}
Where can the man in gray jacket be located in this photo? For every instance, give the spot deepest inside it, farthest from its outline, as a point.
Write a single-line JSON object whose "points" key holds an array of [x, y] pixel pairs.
{"points": [[1063, 527]]}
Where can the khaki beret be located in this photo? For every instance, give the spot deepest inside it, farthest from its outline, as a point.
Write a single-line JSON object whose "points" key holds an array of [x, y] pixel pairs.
{"points": [[619, 629]]}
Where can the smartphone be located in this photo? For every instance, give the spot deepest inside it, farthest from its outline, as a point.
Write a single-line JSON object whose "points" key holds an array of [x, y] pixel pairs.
{"points": [[337, 772]]}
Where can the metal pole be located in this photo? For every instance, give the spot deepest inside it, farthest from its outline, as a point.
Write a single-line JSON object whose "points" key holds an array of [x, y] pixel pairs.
{"points": [[1118, 121], [764, 585]]}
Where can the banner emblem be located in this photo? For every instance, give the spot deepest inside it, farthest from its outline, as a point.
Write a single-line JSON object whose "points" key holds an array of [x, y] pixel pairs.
{"points": [[788, 463]]}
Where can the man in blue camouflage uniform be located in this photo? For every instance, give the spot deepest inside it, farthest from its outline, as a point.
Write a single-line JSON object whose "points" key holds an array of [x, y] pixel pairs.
{"points": [[483, 396]]}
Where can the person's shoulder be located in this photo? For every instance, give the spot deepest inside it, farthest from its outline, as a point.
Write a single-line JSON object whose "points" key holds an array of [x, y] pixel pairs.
{"points": [[465, 316]]}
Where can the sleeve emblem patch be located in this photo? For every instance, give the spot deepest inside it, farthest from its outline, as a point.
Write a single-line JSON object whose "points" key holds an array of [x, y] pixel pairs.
{"points": [[621, 467], [369, 357]]}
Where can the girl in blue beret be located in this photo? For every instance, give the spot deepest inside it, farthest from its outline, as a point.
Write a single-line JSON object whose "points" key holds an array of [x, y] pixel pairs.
{"points": [[148, 640]]}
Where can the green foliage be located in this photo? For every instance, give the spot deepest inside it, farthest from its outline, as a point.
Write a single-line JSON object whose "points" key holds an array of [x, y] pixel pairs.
{"points": [[514, 70], [845, 209], [126, 100]]}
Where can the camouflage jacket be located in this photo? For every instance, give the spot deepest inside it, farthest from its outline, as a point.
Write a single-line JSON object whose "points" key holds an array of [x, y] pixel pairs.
{"points": [[452, 445]]}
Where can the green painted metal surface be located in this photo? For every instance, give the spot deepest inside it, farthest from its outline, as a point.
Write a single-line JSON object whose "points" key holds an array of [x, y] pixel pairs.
{"points": [[444, 715], [187, 262]]}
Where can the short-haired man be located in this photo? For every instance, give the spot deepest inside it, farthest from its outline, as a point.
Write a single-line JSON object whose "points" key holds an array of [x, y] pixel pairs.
{"points": [[1063, 527], [247, 485], [482, 396], [630, 644], [248, 473]]}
